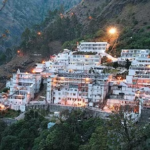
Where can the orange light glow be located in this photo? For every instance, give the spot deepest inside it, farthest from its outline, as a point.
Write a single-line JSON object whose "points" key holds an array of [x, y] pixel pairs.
{"points": [[18, 51], [43, 62], [87, 79], [119, 78], [38, 33], [62, 78], [61, 16], [26, 72], [90, 17], [2, 107], [112, 30], [33, 71]]}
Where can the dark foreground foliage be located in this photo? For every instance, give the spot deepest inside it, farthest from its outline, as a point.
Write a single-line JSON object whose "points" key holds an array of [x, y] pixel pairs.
{"points": [[77, 132]]}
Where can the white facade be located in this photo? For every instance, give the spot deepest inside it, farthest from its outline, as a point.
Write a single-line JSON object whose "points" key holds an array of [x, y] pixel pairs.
{"points": [[73, 61], [98, 47], [139, 72], [132, 54], [77, 89], [39, 68], [122, 94], [79, 61], [22, 86]]}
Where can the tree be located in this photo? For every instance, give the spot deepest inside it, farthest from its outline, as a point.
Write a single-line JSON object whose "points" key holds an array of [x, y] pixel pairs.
{"points": [[2, 128], [69, 134], [9, 142], [3, 5], [123, 133], [115, 65], [26, 34], [98, 140], [128, 64], [8, 54]]}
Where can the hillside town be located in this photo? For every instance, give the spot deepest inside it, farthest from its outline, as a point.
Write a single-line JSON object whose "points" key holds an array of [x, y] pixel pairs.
{"points": [[80, 79]]}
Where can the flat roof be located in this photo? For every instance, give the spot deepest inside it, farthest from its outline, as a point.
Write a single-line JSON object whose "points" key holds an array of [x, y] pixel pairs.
{"points": [[93, 42], [134, 49]]}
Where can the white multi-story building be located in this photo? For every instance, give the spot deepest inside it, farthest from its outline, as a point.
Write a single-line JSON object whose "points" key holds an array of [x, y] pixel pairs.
{"points": [[139, 72], [132, 54], [139, 79], [22, 86], [98, 47], [122, 94], [83, 61], [73, 61], [77, 89], [40, 67]]}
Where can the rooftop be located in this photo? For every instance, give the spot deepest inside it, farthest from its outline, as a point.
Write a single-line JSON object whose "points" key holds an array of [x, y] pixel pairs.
{"points": [[134, 49], [84, 75], [84, 53], [94, 43]]}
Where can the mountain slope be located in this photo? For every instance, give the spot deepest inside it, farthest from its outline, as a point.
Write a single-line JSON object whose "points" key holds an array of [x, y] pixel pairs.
{"points": [[113, 11], [20, 14], [130, 17]]}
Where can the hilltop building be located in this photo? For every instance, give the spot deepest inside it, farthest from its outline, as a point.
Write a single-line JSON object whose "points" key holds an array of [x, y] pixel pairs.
{"points": [[23, 87], [76, 78], [132, 54], [77, 89], [72, 61], [98, 47]]}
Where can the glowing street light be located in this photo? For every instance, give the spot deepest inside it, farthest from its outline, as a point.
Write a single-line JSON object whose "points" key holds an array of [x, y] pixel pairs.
{"points": [[33, 71], [38, 33], [112, 30], [43, 62]]}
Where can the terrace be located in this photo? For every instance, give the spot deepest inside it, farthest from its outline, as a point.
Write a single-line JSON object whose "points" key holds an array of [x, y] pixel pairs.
{"points": [[84, 53]]}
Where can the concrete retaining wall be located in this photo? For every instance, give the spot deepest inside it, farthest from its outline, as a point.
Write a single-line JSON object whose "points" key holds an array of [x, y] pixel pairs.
{"points": [[54, 108]]}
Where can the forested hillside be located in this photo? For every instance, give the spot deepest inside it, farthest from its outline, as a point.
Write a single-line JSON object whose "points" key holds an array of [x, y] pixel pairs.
{"points": [[130, 17], [90, 21], [20, 14], [77, 132]]}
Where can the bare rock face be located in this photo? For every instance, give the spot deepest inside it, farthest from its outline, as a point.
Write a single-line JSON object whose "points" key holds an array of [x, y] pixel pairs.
{"points": [[20, 14]]}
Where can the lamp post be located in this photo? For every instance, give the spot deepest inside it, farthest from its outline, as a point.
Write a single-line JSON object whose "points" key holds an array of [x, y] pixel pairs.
{"points": [[113, 32]]}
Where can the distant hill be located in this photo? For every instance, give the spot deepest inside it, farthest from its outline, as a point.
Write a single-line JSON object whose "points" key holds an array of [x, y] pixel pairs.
{"points": [[20, 14]]}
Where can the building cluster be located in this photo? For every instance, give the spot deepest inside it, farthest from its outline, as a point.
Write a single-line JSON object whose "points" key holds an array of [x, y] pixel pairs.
{"points": [[77, 78], [22, 89]]}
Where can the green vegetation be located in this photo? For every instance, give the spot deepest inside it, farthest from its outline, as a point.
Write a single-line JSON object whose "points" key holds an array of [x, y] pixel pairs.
{"points": [[111, 71], [61, 29], [106, 60], [20, 136], [9, 113], [78, 132], [5, 90]]}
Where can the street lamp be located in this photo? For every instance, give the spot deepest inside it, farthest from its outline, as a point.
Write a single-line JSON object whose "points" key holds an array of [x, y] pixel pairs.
{"points": [[114, 35], [39, 33], [112, 30]]}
